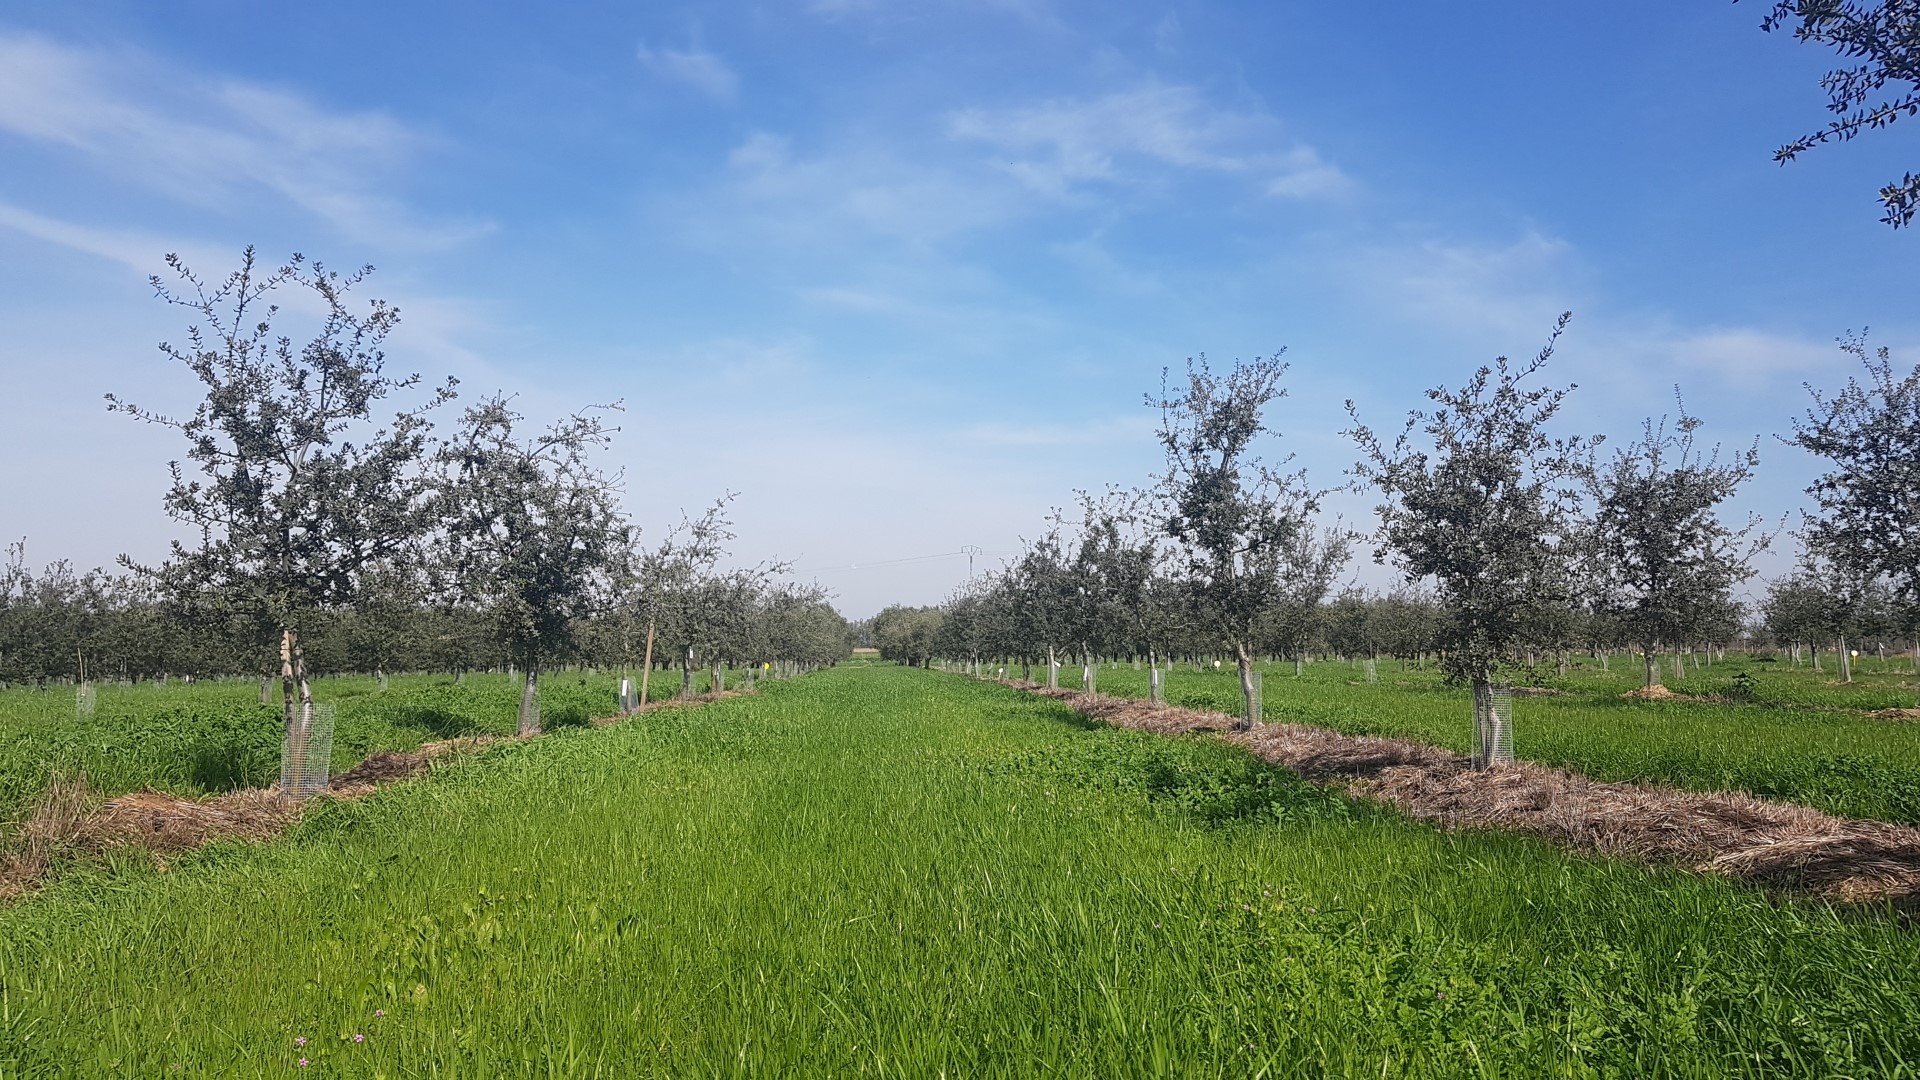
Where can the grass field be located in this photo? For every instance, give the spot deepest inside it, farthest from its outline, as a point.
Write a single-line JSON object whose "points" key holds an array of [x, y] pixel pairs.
{"points": [[1781, 732], [215, 736], [886, 872]]}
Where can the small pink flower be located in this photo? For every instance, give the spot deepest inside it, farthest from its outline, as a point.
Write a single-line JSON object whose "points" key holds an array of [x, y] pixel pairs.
{"points": [[303, 1063], [379, 1012], [357, 1037], [299, 1040]]}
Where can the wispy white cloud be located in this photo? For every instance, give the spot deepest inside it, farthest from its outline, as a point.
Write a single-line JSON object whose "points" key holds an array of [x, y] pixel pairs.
{"points": [[137, 250], [1058, 146], [207, 141], [694, 67], [1736, 353], [853, 192]]}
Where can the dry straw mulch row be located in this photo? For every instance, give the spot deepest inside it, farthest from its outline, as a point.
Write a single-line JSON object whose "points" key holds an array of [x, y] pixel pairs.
{"points": [[1731, 833], [71, 819]]}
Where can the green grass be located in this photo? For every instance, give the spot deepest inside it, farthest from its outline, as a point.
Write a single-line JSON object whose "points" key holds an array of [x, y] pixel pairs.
{"points": [[215, 736], [1789, 740], [884, 872]]}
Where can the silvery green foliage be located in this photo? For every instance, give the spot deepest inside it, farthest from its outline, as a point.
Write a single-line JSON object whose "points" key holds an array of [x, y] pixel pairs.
{"points": [[1881, 39], [1295, 617], [701, 611], [1236, 524], [1663, 565], [1480, 499], [1868, 434], [531, 531], [1117, 562], [907, 635], [296, 490]]}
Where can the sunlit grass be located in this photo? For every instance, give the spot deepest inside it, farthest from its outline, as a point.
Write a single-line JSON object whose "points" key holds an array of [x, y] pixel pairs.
{"points": [[1788, 740], [883, 872], [211, 736]]}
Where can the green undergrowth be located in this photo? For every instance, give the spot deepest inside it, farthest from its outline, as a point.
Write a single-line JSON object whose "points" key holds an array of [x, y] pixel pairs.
{"points": [[886, 872], [1772, 743], [207, 737]]}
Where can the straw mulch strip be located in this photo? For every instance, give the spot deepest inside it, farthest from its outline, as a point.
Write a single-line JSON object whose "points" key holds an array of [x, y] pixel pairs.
{"points": [[387, 766], [71, 819], [1774, 844], [668, 703]]}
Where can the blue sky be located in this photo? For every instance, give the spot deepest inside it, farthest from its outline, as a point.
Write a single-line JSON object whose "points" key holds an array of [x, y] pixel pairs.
{"points": [[899, 273]]}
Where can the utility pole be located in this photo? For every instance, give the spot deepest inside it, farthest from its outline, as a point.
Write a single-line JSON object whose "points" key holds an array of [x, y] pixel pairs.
{"points": [[970, 551]]}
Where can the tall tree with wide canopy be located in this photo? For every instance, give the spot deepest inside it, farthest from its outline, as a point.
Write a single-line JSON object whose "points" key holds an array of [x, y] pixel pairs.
{"points": [[300, 489], [1483, 502]]}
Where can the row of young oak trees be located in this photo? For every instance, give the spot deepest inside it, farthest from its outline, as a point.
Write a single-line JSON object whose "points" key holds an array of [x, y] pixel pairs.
{"points": [[1513, 541], [331, 537]]}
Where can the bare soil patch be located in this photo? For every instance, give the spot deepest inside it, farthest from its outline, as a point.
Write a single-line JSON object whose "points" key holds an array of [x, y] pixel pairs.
{"points": [[1731, 833]]}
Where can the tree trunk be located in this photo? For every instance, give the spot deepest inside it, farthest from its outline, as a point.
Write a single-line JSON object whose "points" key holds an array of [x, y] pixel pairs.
{"points": [[1053, 670], [1846, 661], [1486, 735], [1296, 665], [289, 694], [1244, 660], [530, 701], [719, 678], [686, 673]]}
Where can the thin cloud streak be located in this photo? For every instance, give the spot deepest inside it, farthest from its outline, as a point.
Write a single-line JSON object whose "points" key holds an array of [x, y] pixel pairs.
{"points": [[206, 141]]}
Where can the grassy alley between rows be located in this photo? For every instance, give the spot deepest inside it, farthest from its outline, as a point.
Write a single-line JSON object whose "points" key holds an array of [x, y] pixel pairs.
{"points": [[888, 872]]}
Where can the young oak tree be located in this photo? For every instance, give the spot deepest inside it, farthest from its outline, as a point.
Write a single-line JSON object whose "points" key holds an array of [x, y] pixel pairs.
{"points": [[1868, 522], [1485, 507], [1665, 564], [695, 606], [1296, 612], [531, 531], [1234, 518], [300, 491]]}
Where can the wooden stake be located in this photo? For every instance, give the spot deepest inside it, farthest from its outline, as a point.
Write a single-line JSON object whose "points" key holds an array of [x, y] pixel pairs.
{"points": [[646, 667]]}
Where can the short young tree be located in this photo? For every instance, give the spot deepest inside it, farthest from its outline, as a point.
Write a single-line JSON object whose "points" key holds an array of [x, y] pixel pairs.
{"points": [[1310, 560], [1047, 601], [1868, 523], [1234, 518], [531, 531], [1486, 509], [300, 491], [697, 607], [1664, 564]]}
